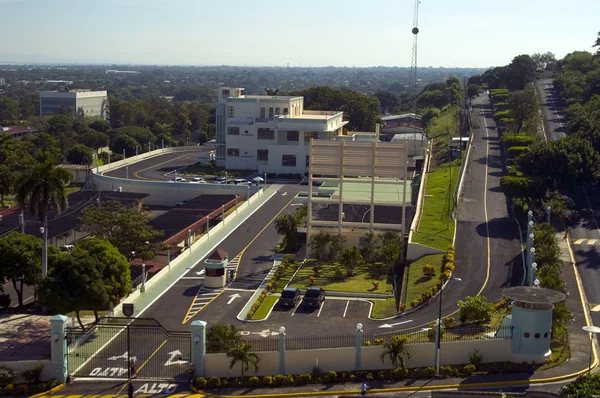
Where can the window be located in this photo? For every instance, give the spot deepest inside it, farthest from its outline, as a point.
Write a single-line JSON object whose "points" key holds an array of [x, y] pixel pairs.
{"points": [[225, 93], [233, 152], [293, 135], [270, 113], [288, 160], [246, 132], [266, 134], [285, 111], [262, 155], [230, 111], [262, 113], [233, 131], [307, 161], [311, 134], [276, 111]]}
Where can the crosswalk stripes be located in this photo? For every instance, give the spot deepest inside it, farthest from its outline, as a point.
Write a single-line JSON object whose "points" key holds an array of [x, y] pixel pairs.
{"points": [[234, 263], [202, 299], [588, 242]]}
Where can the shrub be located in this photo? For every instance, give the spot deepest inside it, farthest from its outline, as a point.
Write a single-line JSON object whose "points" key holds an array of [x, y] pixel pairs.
{"points": [[450, 322], [5, 300], [33, 374], [446, 370], [367, 343], [432, 331], [267, 381], [331, 376], [449, 267], [370, 376], [378, 341], [475, 359], [253, 381], [214, 382], [475, 309], [9, 389], [402, 308], [510, 139], [450, 257], [382, 375], [22, 389], [429, 270], [278, 380], [7, 375], [288, 380], [469, 369], [515, 151], [52, 383], [523, 187], [303, 378], [501, 114], [375, 284], [400, 373], [415, 303], [429, 371], [446, 275], [312, 280], [269, 286], [200, 382], [339, 274], [450, 249]]}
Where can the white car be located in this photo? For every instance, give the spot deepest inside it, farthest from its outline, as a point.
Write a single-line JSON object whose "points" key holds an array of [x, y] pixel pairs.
{"points": [[241, 181], [198, 180], [221, 180], [177, 179]]}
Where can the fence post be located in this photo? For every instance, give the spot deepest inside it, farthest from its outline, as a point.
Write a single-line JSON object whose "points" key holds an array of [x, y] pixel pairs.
{"points": [[58, 326], [359, 343], [198, 349], [282, 350]]}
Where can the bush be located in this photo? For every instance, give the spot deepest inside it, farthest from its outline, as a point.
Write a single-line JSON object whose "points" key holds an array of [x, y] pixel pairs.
{"points": [[288, 380], [7, 375], [214, 382], [432, 331], [9, 389], [429, 270], [446, 370], [331, 376], [450, 321], [378, 341], [415, 303], [523, 187], [510, 139], [367, 343], [267, 381], [501, 114], [446, 275], [450, 257], [312, 280], [375, 284], [278, 380], [33, 374], [475, 309], [253, 381], [402, 308], [469, 369], [303, 378], [400, 373], [200, 382], [475, 359], [429, 371], [448, 267], [515, 151], [587, 385], [339, 274]]}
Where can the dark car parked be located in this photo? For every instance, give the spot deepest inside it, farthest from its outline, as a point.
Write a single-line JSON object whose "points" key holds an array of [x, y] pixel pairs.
{"points": [[314, 297], [289, 297]]}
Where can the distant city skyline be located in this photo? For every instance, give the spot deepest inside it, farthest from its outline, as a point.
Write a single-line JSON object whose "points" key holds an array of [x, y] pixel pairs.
{"points": [[309, 34]]}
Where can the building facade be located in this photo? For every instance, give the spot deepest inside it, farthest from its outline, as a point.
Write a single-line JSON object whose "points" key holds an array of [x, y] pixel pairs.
{"points": [[270, 134], [17, 132], [83, 102]]}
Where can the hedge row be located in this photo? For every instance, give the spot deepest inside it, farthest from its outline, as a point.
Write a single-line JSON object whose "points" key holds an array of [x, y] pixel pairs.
{"points": [[446, 271], [510, 139], [27, 389], [515, 151], [271, 285]]}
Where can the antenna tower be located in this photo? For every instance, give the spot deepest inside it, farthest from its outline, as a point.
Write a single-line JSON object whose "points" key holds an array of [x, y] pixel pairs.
{"points": [[412, 83]]}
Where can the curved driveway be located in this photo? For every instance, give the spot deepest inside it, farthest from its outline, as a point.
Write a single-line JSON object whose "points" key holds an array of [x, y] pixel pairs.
{"points": [[155, 168]]}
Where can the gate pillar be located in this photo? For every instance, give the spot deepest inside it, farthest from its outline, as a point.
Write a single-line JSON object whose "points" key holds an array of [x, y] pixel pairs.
{"points": [[198, 348], [58, 326]]}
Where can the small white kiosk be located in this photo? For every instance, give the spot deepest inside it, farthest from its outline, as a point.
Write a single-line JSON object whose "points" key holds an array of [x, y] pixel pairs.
{"points": [[215, 265]]}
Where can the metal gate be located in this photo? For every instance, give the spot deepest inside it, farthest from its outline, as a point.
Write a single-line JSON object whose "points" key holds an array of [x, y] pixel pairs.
{"points": [[119, 348]]}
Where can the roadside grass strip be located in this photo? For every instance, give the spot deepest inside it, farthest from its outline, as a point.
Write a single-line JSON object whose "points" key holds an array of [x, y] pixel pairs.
{"points": [[436, 228], [384, 308], [264, 308], [417, 282], [361, 280]]}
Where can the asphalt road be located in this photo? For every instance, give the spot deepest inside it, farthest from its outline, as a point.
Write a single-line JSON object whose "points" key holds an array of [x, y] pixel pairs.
{"points": [[552, 109], [155, 168]]}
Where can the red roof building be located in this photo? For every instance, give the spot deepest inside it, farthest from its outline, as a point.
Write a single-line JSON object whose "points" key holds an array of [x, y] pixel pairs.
{"points": [[17, 132]]}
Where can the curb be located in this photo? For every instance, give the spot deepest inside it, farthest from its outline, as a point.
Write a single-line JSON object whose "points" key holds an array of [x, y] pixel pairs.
{"points": [[255, 295], [45, 393]]}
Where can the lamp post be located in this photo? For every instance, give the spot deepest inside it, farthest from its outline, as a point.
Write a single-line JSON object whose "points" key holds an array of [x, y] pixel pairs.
{"points": [[438, 335], [548, 209], [265, 179], [282, 350], [127, 173], [190, 239], [44, 232], [531, 269], [592, 330], [143, 287], [162, 143], [358, 342], [248, 194]]}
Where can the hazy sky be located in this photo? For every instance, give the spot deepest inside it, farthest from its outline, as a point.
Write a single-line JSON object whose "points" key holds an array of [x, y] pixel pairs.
{"points": [[308, 33]]}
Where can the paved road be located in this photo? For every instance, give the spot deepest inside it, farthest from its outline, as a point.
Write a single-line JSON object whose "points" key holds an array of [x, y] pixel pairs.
{"points": [[156, 167], [552, 109]]}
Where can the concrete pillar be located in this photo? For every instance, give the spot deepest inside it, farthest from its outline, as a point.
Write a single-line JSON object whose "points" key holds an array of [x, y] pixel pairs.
{"points": [[58, 327], [282, 350], [198, 349], [359, 342]]}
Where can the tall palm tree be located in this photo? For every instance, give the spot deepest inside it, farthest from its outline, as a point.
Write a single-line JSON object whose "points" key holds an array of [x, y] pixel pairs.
{"points": [[221, 337], [369, 246], [395, 349], [43, 188], [243, 354], [286, 225], [318, 243]]}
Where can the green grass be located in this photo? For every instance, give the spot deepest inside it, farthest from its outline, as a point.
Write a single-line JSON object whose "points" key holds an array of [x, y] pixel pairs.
{"points": [[436, 228], [384, 308], [359, 282], [417, 283], [286, 277], [196, 170], [72, 189], [264, 308]]}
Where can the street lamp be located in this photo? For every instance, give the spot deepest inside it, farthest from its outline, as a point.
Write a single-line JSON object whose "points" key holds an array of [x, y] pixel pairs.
{"points": [[439, 330], [44, 232], [592, 330], [548, 209], [127, 173], [190, 239]]}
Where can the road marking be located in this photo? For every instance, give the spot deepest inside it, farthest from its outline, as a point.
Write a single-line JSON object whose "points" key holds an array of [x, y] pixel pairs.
{"points": [[201, 300], [579, 241], [157, 388], [233, 297], [389, 325], [136, 175], [346, 309], [295, 308], [321, 309], [591, 242], [595, 308], [173, 361], [192, 278], [284, 194], [233, 289], [485, 209]]}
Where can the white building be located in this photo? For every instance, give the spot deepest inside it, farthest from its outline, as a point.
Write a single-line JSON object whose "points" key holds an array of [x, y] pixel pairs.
{"points": [[83, 102], [270, 134]]}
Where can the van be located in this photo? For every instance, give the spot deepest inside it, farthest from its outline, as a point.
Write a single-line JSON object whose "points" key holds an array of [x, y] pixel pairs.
{"points": [[241, 181]]}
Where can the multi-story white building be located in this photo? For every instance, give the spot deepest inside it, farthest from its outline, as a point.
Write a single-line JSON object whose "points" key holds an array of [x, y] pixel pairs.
{"points": [[82, 102], [270, 134]]}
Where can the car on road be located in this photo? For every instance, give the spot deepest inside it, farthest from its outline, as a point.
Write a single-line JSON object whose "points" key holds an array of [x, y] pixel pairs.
{"points": [[197, 180], [289, 297], [222, 180], [241, 181], [177, 179], [313, 297]]}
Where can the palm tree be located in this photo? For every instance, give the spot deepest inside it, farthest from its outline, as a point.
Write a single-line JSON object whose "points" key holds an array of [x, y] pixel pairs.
{"points": [[220, 337], [243, 354], [368, 246], [43, 188], [287, 226], [395, 349], [336, 245], [318, 243], [350, 258]]}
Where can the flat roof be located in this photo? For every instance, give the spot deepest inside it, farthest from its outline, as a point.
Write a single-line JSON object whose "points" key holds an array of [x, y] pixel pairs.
{"points": [[357, 191]]}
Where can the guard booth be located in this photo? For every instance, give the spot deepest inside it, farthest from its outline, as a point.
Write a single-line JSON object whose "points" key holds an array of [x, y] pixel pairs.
{"points": [[216, 266]]}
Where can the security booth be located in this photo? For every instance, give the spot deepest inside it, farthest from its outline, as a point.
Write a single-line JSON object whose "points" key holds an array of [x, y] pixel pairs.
{"points": [[215, 266], [531, 319]]}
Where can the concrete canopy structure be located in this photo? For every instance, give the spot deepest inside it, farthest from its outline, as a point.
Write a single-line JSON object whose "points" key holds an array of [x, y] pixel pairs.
{"points": [[369, 175]]}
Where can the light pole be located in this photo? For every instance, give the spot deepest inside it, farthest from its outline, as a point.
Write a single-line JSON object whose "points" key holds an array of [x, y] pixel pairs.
{"points": [[265, 179], [248, 194], [127, 173], [592, 330], [531, 269], [190, 239], [143, 287], [438, 335], [44, 232], [282, 350], [162, 143], [22, 221], [548, 209]]}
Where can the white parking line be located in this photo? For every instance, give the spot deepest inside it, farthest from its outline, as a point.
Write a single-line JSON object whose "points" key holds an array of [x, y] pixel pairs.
{"points": [[321, 308], [346, 309], [295, 308]]}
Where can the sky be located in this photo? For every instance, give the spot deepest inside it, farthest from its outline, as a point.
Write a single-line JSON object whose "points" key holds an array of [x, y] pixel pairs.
{"points": [[458, 33]]}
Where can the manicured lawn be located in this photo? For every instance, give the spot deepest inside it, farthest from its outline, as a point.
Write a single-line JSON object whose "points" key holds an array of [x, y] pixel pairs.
{"points": [[417, 283], [265, 307], [214, 171], [286, 277], [436, 228], [384, 308], [71, 189], [359, 282]]}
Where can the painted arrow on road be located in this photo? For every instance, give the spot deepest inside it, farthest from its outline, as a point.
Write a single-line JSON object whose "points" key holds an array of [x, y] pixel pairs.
{"points": [[284, 194], [201, 272], [124, 357], [388, 325], [172, 361], [233, 297], [266, 333]]}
